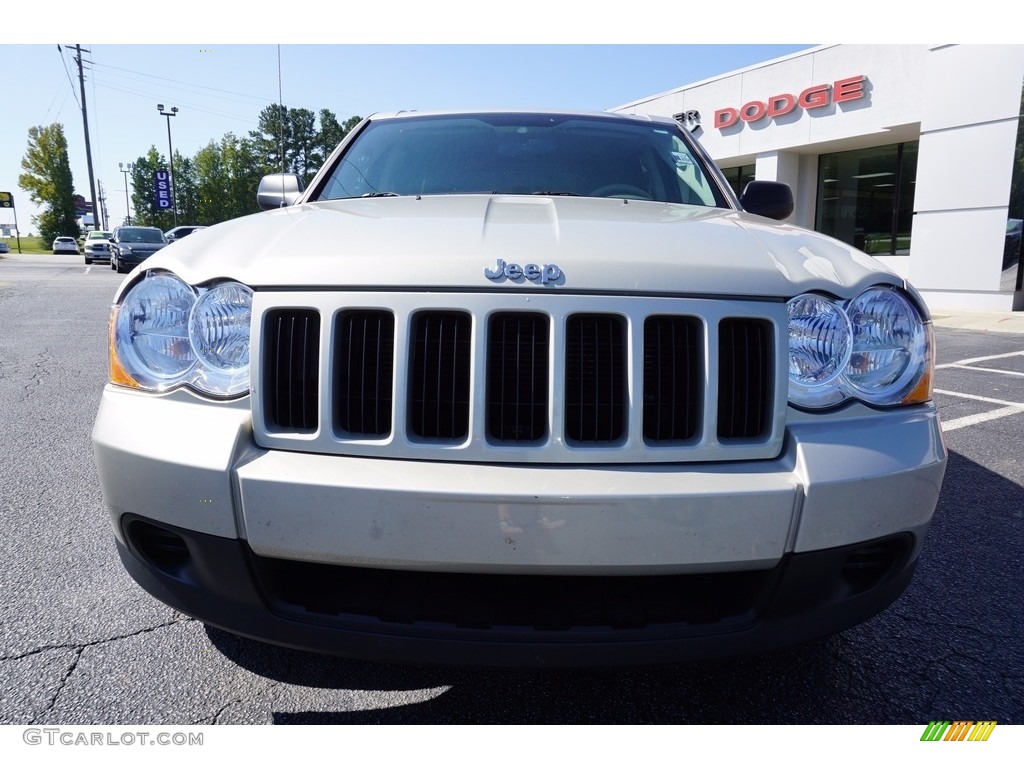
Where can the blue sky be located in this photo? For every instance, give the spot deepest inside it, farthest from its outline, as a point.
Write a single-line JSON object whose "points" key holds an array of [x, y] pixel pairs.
{"points": [[358, 58], [221, 88]]}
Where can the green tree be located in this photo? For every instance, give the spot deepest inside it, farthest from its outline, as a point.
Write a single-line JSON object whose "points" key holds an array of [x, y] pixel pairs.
{"points": [[244, 173], [47, 179], [351, 123], [227, 175], [146, 212], [272, 138], [211, 184], [303, 145], [186, 193], [331, 134]]}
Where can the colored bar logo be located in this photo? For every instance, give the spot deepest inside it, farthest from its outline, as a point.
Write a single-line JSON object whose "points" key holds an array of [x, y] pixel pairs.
{"points": [[958, 730]]}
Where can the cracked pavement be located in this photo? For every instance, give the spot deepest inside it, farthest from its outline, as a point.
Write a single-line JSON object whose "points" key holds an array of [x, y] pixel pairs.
{"points": [[80, 643]]}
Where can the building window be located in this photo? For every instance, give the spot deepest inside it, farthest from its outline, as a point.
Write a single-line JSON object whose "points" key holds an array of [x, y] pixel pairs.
{"points": [[866, 197], [1013, 264], [738, 177]]}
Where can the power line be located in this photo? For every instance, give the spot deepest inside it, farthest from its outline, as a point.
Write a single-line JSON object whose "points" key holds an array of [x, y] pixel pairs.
{"points": [[145, 95], [70, 81], [261, 99]]}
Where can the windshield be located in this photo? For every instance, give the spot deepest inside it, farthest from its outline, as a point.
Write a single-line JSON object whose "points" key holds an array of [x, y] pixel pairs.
{"points": [[140, 236], [99, 236], [524, 155]]}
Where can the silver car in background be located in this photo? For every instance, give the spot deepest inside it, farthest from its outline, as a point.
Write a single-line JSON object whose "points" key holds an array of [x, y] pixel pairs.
{"points": [[97, 246]]}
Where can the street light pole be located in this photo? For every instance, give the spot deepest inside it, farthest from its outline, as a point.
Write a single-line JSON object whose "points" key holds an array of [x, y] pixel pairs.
{"points": [[170, 157], [127, 205]]}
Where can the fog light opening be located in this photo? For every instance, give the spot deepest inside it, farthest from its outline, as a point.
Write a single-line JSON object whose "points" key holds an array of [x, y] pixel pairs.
{"points": [[164, 549], [866, 567]]}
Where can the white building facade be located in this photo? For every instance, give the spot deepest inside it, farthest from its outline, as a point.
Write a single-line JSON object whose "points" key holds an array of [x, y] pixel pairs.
{"points": [[904, 151]]}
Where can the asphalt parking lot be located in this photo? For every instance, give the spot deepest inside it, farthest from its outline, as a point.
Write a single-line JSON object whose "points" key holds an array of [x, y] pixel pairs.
{"points": [[81, 643]]}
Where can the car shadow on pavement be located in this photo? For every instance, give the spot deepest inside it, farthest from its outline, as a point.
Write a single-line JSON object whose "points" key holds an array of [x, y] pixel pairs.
{"points": [[948, 648]]}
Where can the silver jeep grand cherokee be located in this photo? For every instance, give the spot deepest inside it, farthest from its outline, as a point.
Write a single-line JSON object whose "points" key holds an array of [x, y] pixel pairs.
{"points": [[520, 389]]}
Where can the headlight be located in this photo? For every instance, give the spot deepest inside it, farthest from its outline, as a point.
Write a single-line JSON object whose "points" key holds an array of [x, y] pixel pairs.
{"points": [[219, 332], [166, 333], [875, 348]]}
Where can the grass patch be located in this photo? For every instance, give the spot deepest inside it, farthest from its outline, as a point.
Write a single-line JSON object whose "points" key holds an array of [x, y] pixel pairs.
{"points": [[29, 245]]}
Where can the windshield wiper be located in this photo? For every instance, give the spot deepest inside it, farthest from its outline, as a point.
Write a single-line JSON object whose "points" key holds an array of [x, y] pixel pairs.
{"points": [[381, 194], [557, 194]]}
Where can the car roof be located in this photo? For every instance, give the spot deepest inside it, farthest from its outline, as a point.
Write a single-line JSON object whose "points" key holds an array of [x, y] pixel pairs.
{"points": [[614, 116]]}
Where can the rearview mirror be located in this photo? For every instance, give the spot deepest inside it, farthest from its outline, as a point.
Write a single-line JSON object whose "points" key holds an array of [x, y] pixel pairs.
{"points": [[771, 199], [277, 190]]}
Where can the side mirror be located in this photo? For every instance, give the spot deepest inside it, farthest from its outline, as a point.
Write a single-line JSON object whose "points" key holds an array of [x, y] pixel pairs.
{"points": [[277, 190], [771, 199]]}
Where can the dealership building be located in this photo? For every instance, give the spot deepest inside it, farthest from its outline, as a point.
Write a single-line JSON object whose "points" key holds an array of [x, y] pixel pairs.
{"points": [[908, 152]]}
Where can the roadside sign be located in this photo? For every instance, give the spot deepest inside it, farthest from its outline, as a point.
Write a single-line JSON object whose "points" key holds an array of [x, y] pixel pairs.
{"points": [[162, 189], [6, 200]]}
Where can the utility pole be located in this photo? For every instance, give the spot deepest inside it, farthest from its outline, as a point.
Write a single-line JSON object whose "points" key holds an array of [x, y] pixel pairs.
{"points": [[103, 205], [170, 157], [127, 205], [85, 122]]}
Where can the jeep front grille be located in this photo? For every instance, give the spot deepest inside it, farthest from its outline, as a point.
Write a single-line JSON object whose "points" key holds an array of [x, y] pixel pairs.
{"points": [[293, 342], [519, 378], [363, 369]]}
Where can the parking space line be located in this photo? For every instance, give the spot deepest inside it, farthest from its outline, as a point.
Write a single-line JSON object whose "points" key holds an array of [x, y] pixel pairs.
{"points": [[979, 397], [967, 421], [986, 370], [87, 270], [1008, 409], [971, 360]]}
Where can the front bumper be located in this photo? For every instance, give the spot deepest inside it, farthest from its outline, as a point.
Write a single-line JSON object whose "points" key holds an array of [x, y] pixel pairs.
{"points": [[133, 259], [271, 543]]}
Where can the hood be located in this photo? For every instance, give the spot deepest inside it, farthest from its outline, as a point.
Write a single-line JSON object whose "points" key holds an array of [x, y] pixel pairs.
{"points": [[141, 247], [595, 245]]}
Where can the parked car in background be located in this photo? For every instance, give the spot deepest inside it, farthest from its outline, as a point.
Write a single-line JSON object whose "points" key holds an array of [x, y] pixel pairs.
{"points": [[65, 245], [179, 232], [1011, 247], [97, 246], [4, 248], [130, 246]]}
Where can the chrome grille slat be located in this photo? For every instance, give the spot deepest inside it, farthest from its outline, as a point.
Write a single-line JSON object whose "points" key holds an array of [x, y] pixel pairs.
{"points": [[519, 378]]}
